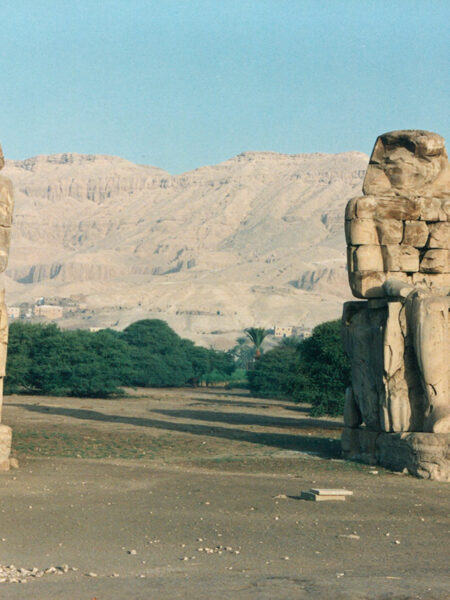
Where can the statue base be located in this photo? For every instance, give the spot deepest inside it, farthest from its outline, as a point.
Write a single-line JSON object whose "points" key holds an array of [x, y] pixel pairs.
{"points": [[425, 455], [5, 447]]}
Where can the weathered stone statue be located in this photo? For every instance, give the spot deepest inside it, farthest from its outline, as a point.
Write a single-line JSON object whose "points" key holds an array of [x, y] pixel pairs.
{"points": [[6, 209], [398, 237]]}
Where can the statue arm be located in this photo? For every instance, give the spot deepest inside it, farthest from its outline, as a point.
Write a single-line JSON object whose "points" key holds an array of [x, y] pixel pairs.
{"points": [[397, 289]]}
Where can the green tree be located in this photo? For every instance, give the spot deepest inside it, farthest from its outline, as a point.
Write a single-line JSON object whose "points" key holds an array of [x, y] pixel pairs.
{"points": [[243, 353], [257, 336], [44, 359], [325, 370], [21, 340], [315, 370], [200, 361], [206, 361], [158, 355], [274, 371]]}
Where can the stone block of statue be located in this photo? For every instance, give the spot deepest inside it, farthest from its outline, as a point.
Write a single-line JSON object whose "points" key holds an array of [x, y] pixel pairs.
{"points": [[6, 209], [398, 241]]}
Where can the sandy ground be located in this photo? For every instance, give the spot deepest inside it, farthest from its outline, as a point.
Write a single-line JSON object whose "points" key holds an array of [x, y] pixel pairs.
{"points": [[195, 494]]}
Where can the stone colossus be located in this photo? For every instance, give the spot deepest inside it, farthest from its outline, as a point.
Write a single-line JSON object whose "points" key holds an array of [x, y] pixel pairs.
{"points": [[6, 209], [397, 410]]}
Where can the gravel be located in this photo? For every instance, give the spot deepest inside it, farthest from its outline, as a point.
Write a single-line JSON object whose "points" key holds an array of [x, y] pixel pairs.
{"points": [[13, 574]]}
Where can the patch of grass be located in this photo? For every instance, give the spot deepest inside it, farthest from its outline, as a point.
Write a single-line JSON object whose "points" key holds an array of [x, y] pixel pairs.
{"points": [[29, 443]]}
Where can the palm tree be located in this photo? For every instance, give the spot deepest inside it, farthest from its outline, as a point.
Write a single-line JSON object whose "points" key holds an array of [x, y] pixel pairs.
{"points": [[256, 335], [243, 353]]}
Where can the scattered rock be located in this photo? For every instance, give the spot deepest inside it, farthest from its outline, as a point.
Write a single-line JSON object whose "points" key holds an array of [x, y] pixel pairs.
{"points": [[13, 574], [219, 549]]}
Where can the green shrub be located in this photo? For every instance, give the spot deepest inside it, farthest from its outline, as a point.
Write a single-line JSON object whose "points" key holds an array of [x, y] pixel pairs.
{"points": [[315, 370], [44, 359], [273, 372]]}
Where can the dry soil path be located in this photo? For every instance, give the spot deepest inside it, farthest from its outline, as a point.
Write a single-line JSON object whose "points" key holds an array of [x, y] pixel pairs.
{"points": [[195, 494]]}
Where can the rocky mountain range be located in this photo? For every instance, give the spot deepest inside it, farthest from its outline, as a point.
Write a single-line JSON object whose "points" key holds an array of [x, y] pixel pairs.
{"points": [[254, 241]]}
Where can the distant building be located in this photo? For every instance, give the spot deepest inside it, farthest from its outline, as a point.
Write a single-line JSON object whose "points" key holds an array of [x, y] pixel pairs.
{"points": [[94, 329], [49, 311], [282, 332], [13, 312]]}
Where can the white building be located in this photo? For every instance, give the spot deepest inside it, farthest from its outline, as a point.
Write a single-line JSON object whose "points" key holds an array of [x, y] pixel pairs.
{"points": [[13, 312], [282, 332], [49, 311]]}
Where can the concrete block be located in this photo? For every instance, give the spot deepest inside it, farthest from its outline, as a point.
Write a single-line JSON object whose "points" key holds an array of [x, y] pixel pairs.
{"points": [[305, 495]]}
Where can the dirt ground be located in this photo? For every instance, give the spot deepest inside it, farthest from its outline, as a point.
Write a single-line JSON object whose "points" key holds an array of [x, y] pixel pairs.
{"points": [[195, 494]]}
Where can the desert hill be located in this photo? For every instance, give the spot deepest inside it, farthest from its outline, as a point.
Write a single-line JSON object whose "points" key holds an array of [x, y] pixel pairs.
{"points": [[255, 240]]}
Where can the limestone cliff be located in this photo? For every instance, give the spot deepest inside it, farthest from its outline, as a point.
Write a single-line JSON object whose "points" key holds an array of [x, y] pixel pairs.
{"points": [[136, 240]]}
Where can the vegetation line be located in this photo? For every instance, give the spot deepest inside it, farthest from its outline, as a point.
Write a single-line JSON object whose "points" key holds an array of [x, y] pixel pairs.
{"points": [[46, 360]]}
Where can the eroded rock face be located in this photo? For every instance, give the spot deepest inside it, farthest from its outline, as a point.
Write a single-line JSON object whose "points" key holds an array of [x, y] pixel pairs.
{"points": [[6, 209], [402, 222], [409, 163], [398, 238]]}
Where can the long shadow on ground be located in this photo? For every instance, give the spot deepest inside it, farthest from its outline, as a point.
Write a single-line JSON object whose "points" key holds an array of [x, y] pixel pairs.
{"points": [[250, 419], [230, 402], [324, 447]]}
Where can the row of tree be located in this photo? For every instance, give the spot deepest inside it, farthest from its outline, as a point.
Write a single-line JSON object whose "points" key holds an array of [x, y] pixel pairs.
{"points": [[44, 359], [314, 370]]}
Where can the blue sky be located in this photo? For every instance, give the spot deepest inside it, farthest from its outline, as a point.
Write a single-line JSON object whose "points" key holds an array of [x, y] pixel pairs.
{"points": [[183, 83]]}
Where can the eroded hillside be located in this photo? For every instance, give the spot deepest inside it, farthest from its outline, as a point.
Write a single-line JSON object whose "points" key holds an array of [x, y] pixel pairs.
{"points": [[256, 240]]}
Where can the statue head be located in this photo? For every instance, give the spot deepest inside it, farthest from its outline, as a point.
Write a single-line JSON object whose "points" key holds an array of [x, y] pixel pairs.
{"points": [[408, 163], [400, 229]]}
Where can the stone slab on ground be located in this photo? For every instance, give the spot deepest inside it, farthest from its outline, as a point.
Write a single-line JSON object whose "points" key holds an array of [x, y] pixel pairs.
{"points": [[310, 495], [331, 492]]}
